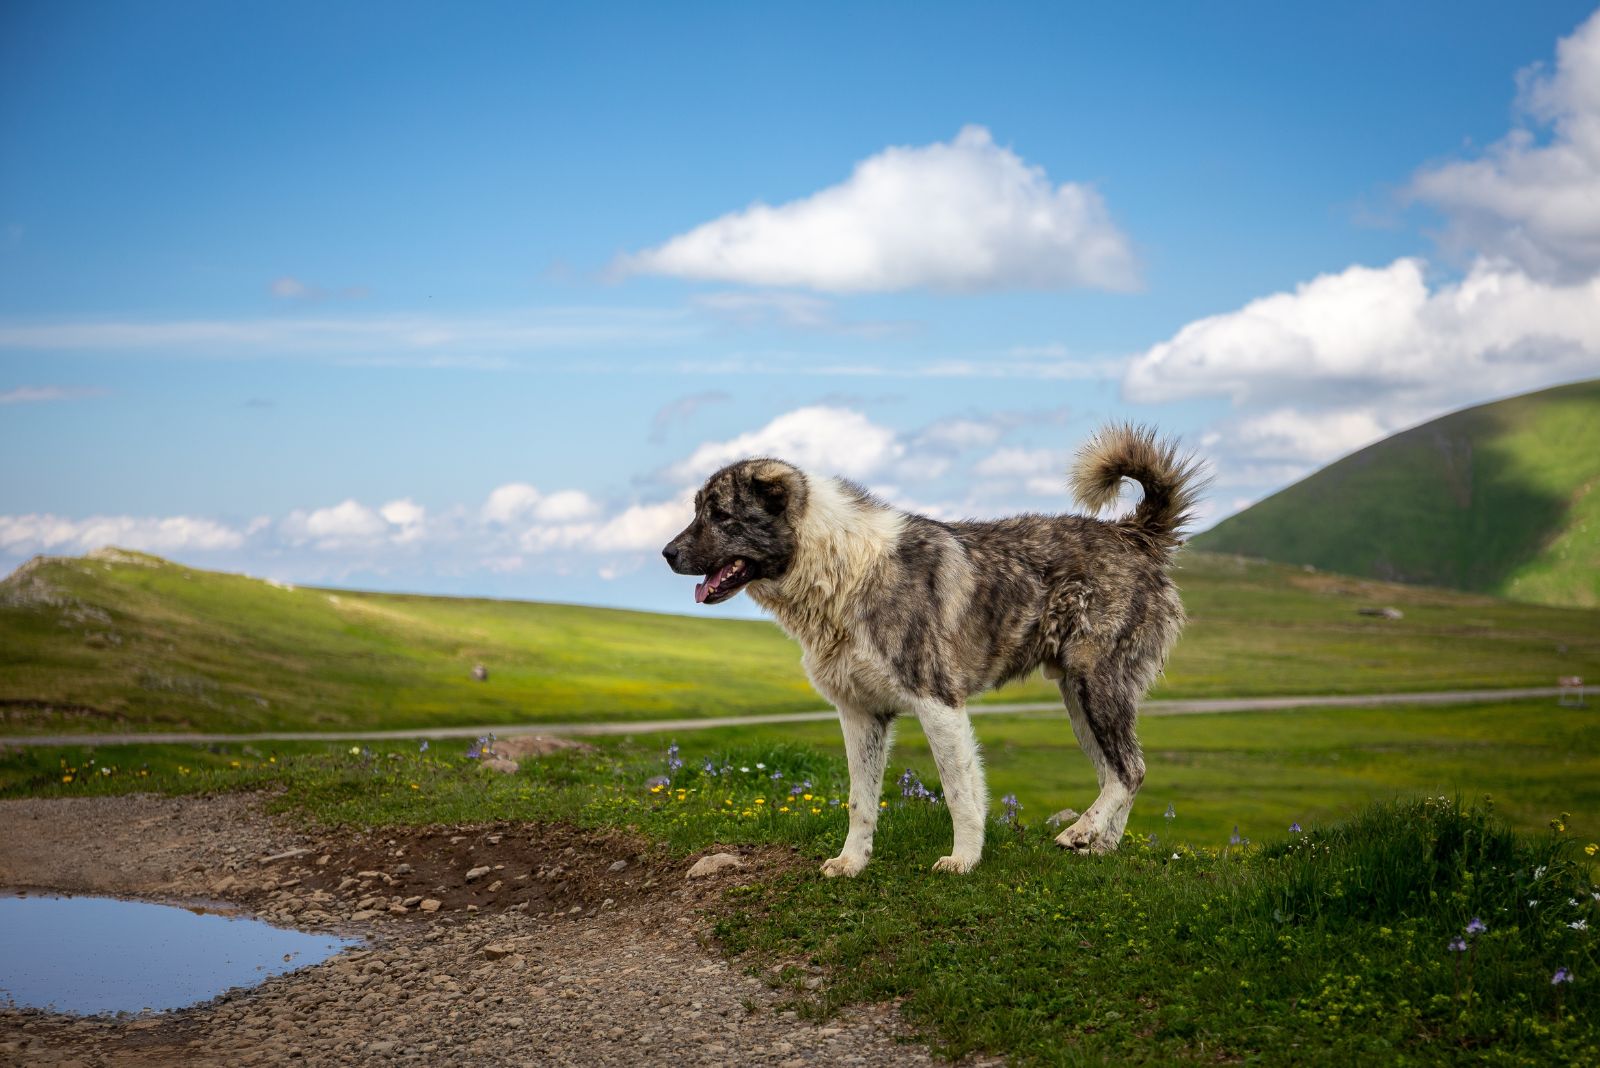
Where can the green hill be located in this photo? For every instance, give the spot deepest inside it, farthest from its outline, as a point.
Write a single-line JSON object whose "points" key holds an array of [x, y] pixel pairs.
{"points": [[1498, 499], [123, 638]]}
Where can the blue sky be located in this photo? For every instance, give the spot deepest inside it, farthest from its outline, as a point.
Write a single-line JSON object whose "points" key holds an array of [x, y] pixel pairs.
{"points": [[461, 299]]}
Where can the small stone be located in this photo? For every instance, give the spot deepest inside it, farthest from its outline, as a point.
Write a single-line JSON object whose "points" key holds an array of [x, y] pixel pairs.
{"points": [[1066, 815], [494, 887], [477, 873], [494, 839], [364, 914], [493, 951], [402, 869], [617, 865], [412, 902], [710, 865], [431, 904], [503, 765], [224, 884]]}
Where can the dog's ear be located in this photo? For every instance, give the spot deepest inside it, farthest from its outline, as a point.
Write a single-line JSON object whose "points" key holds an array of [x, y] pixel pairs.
{"points": [[773, 488]]}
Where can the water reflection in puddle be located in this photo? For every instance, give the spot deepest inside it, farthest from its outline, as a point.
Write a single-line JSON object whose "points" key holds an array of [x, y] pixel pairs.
{"points": [[94, 955]]}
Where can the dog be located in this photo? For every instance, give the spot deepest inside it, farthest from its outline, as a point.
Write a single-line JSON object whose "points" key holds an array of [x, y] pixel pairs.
{"points": [[898, 613]]}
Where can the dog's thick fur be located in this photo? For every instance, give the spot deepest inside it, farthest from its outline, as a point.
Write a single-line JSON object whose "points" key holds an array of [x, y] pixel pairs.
{"points": [[899, 613]]}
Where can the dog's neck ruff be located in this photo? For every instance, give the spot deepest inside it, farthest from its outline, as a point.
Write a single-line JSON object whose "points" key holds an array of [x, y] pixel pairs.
{"points": [[841, 544]]}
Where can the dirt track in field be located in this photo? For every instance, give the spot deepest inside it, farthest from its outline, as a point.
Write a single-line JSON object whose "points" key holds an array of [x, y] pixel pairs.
{"points": [[562, 948]]}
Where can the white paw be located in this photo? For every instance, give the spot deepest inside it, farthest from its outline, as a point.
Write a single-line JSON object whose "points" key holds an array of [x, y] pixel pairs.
{"points": [[959, 865], [843, 864], [1084, 837]]}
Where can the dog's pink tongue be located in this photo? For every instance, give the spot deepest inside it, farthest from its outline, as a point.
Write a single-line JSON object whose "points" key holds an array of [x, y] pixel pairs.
{"points": [[700, 592]]}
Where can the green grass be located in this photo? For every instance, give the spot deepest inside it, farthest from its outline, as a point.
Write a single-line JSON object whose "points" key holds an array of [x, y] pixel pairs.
{"points": [[134, 642], [1498, 499], [1323, 948]]}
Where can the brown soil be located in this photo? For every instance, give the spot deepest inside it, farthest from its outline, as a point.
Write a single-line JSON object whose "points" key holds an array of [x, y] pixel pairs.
{"points": [[572, 948]]}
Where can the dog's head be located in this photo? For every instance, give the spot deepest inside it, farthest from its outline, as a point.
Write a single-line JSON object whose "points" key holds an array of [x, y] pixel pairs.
{"points": [[743, 529]]}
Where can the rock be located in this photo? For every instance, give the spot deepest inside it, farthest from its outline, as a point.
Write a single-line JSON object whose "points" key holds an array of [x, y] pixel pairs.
{"points": [[714, 863], [1066, 815], [364, 914], [431, 904], [224, 884], [411, 902], [477, 873], [403, 869], [522, 746], [493, 951], [494, 887], [499, 763], [617, 865], [480, 673]]}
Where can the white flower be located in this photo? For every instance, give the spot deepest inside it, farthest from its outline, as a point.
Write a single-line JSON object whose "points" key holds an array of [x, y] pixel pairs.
{"points": [[1579, 925], [1532, 901], [744, 769], [1174, 856], [1538, 873], [763, 767]]}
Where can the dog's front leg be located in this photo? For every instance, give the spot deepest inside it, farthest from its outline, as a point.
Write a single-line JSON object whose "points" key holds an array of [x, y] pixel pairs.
{"points": [[866, 747], [955, 751]]}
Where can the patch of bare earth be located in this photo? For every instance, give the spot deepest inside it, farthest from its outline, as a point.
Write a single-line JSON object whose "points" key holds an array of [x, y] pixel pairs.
{"points": [[505, 944]]}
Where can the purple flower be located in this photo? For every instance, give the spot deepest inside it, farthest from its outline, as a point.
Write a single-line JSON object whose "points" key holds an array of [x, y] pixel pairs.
{"points": [[1169, 813], [906, 781], [1011, 804], [796, 791], [1561, 976], [476, 749], [1235, 840], [1458, 945], [1477, 926], [659, 780], [777, 775], [674, 761], [709, 768], [1294, 828], [423, 748]]}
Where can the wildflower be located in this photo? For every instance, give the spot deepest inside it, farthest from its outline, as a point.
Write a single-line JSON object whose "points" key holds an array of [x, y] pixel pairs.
{"points": [[1011, 804], [1458, 945], [1533, 901], [1175, 856], [759, 767], [777, 775], [815, 811], [1592, 848], [835, 801], [1294, 828], [658, 783], [1579, 925], [674, 761], [68, 778], [744, 769], [794, 791], [806, 783], [1235, 840], [883, 804], [783, 808], [355, 750], [422, 747], [761, 800], [414, 786], [805, 797], [1169, 814], [107, 771], [1538, 873], [708, 768], [1477, 926], [1561, 976]]}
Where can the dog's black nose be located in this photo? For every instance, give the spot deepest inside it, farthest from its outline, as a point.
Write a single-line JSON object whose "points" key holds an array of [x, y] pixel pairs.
{"points": [[671, 553]]}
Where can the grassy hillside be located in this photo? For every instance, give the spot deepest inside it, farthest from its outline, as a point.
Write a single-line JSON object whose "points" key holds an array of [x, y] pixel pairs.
{"points": [[126, 639], [1498, 499]]}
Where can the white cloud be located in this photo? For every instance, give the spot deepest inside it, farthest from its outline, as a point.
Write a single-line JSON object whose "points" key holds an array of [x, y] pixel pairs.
{"points": [[348, 524], [22, 534], [1535, 204], [827, 440], [682, 409], [408, 517], [1042, 472], [960, 433], [966, 215], [517, 501], [1293, 434], [1363, 330]]}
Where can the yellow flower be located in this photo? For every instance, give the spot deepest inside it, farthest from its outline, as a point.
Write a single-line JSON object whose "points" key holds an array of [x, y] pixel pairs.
{"points": [[785, 808], [66, 778], [233, 763], [728, 801], [272, 760], [883, 804], [656, 789], [355, 750], [805, 797], [1592, 848], [414, 786], [815, 811], [761, 800]]}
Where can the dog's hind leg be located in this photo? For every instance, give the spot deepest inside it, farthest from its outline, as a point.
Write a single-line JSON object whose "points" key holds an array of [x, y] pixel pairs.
{"points": [[955, 751], [1103, 720], [866, 747]]}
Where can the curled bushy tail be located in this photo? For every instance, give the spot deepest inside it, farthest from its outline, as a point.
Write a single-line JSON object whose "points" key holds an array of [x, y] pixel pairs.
{"points": [[1172, 482]]}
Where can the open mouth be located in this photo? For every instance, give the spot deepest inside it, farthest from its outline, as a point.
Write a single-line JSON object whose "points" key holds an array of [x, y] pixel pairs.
{"points": [[722, 583]]}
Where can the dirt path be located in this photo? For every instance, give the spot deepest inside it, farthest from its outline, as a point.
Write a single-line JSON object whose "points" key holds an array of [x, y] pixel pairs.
{"points": [[571, 949], [1185, 707]]}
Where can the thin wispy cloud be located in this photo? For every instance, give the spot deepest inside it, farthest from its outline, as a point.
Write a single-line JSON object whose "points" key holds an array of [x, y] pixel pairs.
{"points": [[45, 394]]}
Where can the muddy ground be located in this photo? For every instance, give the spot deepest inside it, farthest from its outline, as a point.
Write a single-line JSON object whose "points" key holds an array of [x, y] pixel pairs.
{"points": [[498, 944]]}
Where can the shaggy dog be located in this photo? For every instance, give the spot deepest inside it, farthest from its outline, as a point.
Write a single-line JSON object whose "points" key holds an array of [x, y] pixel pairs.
{"points": [[899, 613]]}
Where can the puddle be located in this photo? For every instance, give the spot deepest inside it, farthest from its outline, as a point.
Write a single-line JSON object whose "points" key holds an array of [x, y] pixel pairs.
{"points": [[94, 955]]}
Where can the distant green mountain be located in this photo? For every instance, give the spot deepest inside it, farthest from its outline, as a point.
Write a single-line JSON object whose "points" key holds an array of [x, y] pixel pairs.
{"points": [[119, 638], [1497, 499]]}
